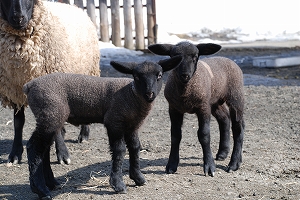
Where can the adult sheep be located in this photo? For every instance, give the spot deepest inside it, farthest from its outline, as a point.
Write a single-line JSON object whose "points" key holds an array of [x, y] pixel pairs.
{"points": [[38, 38], [204, 87]]}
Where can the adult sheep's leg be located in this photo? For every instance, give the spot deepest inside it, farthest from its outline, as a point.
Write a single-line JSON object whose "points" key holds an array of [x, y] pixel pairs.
{"points": [[133, 145], [238, 126], [62, 152], [37, 147], [118, 149], [221, 113], [176, 135], [15, 155], [84, 133], [204, 139]]}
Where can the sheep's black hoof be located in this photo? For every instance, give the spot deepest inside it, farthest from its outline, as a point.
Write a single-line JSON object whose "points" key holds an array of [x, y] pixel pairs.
{"points": [[209, 169], [170, 170], [46, 198], [82, 138], [64, 161], [15, 155], [233, 167], [63, 158], [118, 185], [137, 177]]}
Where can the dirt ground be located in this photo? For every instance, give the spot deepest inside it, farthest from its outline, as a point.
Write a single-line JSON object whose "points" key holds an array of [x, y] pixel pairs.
{"points": [[271, 159]]}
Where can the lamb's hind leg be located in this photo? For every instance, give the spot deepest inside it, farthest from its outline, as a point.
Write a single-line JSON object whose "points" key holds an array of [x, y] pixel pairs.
{"points": [[221, 113], [209, 166], [62, 152], [133, 145], [238, 126], [15, 155], [84, 133], [176, 135], [37, 147]]}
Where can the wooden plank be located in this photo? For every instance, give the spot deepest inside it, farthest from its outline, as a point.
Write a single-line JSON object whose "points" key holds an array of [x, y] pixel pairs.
{"points": [[139, 25], [90, 7], [128, 39], [104, 28]]}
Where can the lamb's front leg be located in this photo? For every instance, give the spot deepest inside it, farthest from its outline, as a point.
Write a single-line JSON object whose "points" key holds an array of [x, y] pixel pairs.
{"points": [[204, 139], [118, 149], [176, 135], [134, 146]]}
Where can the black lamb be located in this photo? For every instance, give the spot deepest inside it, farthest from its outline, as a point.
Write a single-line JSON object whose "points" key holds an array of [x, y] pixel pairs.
{"points": [[204, 87], [121, 104]]}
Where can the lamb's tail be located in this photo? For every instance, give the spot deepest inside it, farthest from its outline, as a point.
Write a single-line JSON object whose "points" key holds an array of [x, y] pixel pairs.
{"points": [[26, 88]]}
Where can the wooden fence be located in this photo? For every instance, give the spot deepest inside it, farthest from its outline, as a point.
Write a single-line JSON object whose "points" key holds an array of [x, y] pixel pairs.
{"points": [[135, 34]]}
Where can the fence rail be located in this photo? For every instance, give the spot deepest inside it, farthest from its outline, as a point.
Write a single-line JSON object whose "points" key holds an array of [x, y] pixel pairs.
{"points": [[119, 27]]}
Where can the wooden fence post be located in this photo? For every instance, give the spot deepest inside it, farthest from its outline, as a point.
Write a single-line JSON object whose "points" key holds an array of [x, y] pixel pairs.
{"points": [[115, 22], [139, 25], [151, 22], [79, 3], [104, 28], [90, 8], [128, 39]]}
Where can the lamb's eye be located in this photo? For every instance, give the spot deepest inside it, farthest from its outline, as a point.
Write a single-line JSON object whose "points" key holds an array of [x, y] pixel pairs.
{"points": [[195, 58], [136, 78], [159, 76]]}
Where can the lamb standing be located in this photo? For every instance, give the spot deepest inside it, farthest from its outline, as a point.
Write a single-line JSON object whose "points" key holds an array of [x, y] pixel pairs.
{"points": [[37, 38], [204, 87], [121, 104]]}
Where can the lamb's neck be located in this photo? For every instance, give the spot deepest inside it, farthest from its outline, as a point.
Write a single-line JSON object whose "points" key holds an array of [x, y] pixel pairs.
{"points": [[140, 102]]}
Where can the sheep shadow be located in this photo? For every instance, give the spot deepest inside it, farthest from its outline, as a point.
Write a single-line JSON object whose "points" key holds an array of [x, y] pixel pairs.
{"points": [[77, 181], [5, 148]]}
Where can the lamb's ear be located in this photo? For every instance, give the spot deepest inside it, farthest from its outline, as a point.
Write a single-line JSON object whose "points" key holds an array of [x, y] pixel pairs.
{"points": [[208, 48], [124, 67], [170, 63], [161, 49]]}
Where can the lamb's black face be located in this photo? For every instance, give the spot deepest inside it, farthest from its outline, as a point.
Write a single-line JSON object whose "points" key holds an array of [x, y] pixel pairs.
{"points": [[148, 80], [190, 54], [17, 12], [188, 66]]}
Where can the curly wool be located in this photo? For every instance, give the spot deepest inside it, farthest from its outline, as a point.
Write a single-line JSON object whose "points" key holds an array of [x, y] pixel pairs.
{"points": [[52, 42]]}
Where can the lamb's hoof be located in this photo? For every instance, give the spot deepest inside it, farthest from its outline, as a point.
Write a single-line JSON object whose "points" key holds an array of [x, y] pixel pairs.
{"points": [[232, 168], [212, 174], [82, 138], [138, 178], [170, 170], [118, 185], [64, 161], [13, 161], [46, 198]]}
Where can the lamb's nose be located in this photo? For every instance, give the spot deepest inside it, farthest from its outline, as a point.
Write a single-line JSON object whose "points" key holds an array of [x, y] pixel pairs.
{"points": [[150, 95], [185, 77], [18, 19]]}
